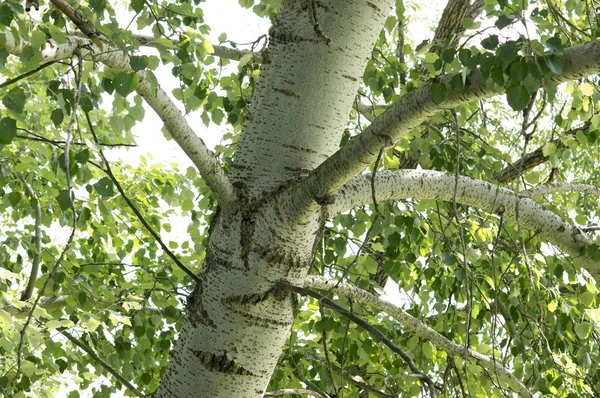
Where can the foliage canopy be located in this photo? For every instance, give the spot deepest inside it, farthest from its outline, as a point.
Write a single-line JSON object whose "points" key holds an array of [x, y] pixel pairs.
{"points": [[109, 293]]}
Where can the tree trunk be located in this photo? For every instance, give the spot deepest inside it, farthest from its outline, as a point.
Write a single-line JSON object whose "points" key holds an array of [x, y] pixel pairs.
{"points": [[237, 319]]}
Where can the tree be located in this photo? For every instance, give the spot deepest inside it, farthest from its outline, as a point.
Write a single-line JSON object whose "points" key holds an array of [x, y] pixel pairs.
{"points": [[460, 169]]}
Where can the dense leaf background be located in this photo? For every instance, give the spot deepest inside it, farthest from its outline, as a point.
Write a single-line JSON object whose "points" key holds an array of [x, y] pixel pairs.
{"points": [[474, 277]]}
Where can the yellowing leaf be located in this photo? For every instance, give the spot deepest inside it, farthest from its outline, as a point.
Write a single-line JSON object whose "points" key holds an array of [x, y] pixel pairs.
{"points": [[6, 274], [67, 323], [41, 313], [586, 89], [91, 324], [207, 46], [53, 324]]}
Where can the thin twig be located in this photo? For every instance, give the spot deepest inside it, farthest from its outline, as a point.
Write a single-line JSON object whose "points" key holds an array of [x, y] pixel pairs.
{"points": [[35, 262], [368, 327], [102, 363], [71, 205], [8, 82], [139, 215]]}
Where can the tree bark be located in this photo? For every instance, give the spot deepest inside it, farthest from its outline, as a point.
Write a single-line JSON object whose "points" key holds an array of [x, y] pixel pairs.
{"points": [[237, 320]]}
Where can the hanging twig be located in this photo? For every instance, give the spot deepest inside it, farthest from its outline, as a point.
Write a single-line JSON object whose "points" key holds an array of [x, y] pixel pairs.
{"points": [[145, 223], [35, 262], [368, 327], [102, 363], [72, 207]]}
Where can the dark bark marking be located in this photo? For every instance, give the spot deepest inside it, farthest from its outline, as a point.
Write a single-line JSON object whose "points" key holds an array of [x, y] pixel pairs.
{"points": [[350, 78], [261, 320], [299, 148], [221, 363], [374, 7], [286, 91], [197, 313]]}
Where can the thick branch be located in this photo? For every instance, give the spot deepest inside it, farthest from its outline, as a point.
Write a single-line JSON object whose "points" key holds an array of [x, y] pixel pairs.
{"points": [[416, 326], [407, 113], [428, 184], [450, 23], [562, 187], [102, 363]]}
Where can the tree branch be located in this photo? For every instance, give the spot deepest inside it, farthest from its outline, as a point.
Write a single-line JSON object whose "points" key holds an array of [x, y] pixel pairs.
{"points": [[418, 327], [407, 113], [435, 185], [35, 262], [535, 158], [40, 138], [8, 82], [102, 50], [139, 215], [368, 327], [546, 189], [102, 363], [233, 54]]}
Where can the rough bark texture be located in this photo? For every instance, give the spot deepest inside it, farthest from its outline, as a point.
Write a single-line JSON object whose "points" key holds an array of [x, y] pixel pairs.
{"points": [[429, 184], [237, 320]]}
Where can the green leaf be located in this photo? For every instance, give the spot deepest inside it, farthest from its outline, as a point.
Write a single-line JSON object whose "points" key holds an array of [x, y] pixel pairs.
{"points": [[14, 198], [549, 149], [497, 76], [490, 42], [137, 5], [83, 156], [518, 97], [117, 123], [583, 330], [63, 200], [98, 5], [57, 117], [587, 298], [554, 64], [504, 21], [438, 92], [508, 52], [15, 100], [518, 71], [104, 187], [38, 38], [125, 83], [466, 58], [108, 85], [3, 57], [6, 15], [554, 44], [139, 62], [187, 205], [8, 130]]}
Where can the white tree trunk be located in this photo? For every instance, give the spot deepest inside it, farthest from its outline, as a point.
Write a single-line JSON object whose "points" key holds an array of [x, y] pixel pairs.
{"points": [[237, 320]]}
